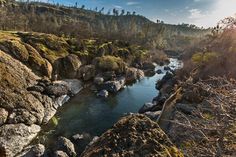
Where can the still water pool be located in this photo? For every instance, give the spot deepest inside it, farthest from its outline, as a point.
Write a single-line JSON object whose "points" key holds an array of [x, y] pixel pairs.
{"points": [[86, 113]]}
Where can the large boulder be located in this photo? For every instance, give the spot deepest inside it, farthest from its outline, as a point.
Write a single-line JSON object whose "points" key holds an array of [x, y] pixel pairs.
{"points": [[70, 66], [114, 86], [133, 74], [57, 90], [149, 66], [16, 49], [134, 135], [87, 72], [66, 146], [74, 85], [13, 137]]}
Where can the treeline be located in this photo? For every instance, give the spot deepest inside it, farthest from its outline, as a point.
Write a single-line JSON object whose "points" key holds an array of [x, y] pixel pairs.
{"points": [[81, 23]]}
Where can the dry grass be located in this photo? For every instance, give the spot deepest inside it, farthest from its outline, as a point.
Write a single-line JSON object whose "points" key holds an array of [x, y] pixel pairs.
{"points": [[210, 130]]}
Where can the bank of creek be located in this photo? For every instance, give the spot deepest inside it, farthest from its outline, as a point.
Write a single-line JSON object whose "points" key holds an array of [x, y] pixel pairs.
{"points": [[87, 113]]}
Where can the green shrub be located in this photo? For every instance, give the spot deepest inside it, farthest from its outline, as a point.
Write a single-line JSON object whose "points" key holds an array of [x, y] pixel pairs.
{"points": [[203, 57], [110, 63]]}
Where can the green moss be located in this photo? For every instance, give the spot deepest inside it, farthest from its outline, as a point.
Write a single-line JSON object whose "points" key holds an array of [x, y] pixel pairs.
{"points": [[54, 121], [110, 63], [203, 57], [15, 48], [50, 46], [173, 152], [208, 116]]}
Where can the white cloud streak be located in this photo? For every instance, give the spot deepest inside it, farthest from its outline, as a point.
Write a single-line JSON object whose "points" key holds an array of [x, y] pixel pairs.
{"points": [[220, 10]]}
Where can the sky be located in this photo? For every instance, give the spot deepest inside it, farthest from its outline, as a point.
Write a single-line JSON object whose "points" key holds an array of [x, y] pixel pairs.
{"points": [[204, 13]]}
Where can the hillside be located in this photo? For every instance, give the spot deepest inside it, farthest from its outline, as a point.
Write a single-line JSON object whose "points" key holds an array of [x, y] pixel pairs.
{"points": [[81, 23]]}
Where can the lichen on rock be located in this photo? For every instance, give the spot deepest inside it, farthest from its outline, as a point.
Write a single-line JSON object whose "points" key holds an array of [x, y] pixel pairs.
{"points": [[134, 135]]}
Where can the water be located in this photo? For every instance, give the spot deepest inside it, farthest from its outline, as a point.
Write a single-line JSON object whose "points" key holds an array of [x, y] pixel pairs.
{"points": [[86, 113]]}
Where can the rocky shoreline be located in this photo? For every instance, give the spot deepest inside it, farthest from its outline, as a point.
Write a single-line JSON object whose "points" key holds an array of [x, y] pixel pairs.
{"points": [[37, 78]]}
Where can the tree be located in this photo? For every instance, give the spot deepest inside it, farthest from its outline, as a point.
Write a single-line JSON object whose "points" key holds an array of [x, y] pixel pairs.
{"points": [[109, 12], [122, 12], [115, 12], [83, 6], [100, 11], [134, 13], [128, 13]]}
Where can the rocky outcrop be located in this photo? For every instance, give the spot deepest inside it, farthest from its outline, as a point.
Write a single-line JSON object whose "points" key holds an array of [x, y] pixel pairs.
{"points": [[134, 135], [15, 136], [22, 111]]}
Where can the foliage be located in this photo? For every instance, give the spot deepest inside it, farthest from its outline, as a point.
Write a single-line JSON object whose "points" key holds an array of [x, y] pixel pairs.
{"points": [[110, 63], [78, 22], [203, 57]]}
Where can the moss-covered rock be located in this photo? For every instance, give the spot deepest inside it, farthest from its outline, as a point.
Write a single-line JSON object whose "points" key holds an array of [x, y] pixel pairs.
{"points": [[68, 66], [49, 46], [16, 49], [110, 63], [134, 135]]}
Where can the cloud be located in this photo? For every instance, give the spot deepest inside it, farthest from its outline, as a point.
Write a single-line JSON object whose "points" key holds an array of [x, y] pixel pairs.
{"points": [[117, 6], [196, 14], [219, 11], [132, 3]]}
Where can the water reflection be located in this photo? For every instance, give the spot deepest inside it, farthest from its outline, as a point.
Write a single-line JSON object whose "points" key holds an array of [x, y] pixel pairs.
{"points": [[87, 113]]}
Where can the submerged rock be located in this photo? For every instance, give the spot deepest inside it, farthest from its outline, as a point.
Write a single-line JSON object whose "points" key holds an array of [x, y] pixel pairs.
{"points": [[103, 93], [159, 71], [146, 107], [134, 135], [167, 68]]}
